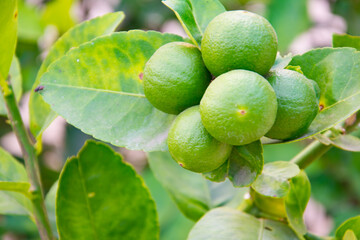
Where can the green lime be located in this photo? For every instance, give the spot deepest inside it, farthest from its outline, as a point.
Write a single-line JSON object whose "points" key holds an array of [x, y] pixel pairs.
{"points": [[269, 205], [192, 146], [239, 40], [297, 104], [175, 77], [238, 107]]}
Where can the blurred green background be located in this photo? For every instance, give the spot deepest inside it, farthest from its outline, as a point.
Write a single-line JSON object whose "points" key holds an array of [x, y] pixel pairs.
{"points": [[300, 25]]}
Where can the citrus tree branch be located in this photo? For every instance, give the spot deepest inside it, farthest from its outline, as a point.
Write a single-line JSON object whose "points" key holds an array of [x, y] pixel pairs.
{"points": [[316, 149], [30, 158]]}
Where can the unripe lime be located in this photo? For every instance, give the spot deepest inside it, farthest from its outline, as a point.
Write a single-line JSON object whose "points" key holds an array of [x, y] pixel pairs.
{"points": [[239, 40], [238, 107], [192, 146], [297, 104], [270, 205], [175, 77]]}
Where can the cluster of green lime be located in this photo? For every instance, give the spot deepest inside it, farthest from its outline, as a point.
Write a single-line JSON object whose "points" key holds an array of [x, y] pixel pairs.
{"points": [[240, 105]]}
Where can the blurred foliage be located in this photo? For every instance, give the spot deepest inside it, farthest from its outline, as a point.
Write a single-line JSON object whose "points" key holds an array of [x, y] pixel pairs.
{"points": [[350, 11], [335, 178]]}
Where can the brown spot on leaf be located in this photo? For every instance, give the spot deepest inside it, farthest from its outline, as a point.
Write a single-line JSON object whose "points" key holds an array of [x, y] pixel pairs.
{"points": [[268, 228], [16, 14], [141, 76], [321, 107], [181, 165]]}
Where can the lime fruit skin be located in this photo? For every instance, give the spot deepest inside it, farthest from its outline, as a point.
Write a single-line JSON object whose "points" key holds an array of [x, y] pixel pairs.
{"points": [[297, 104], [239, 40], [192, 147], [238, 107], [175, 77]]}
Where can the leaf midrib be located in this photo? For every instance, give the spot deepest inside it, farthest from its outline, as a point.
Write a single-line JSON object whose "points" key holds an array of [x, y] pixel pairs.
{"points": [[97, 90]]}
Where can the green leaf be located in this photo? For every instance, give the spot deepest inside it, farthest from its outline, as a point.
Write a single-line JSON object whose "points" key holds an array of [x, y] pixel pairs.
{"points": [[219, 174], [350, 224], [41, 114], [281, 62], [98, 89], [345, 40], [16, 83], [8, 30], [245, 164], [50, 207], [101, 197], [195, 15], [345, 142], [289, 18], [193, 194], [231, 224], [20, 187], [336, 71], [296, 201], [14, 180], [273, 182]]}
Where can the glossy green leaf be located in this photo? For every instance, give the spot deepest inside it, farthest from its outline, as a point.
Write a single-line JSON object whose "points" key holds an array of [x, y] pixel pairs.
{"points": [[351, 224], [273, 181], [219, 174], [345, 40], [8, 30], [16, 83], [289, 18], [101, 197], [193, 194], [50, 207], [98, 89], [281, 62], [41, 114], [14, 180], [245, 164], [231, 224], [336, 71], [195, 15], [296, 201]]}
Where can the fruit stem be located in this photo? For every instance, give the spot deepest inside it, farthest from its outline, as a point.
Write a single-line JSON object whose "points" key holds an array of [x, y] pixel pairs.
{"points": [[30, 158]]}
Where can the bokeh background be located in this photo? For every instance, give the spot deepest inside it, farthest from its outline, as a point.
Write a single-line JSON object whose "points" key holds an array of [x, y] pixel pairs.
{"points": [[300, 25]]}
